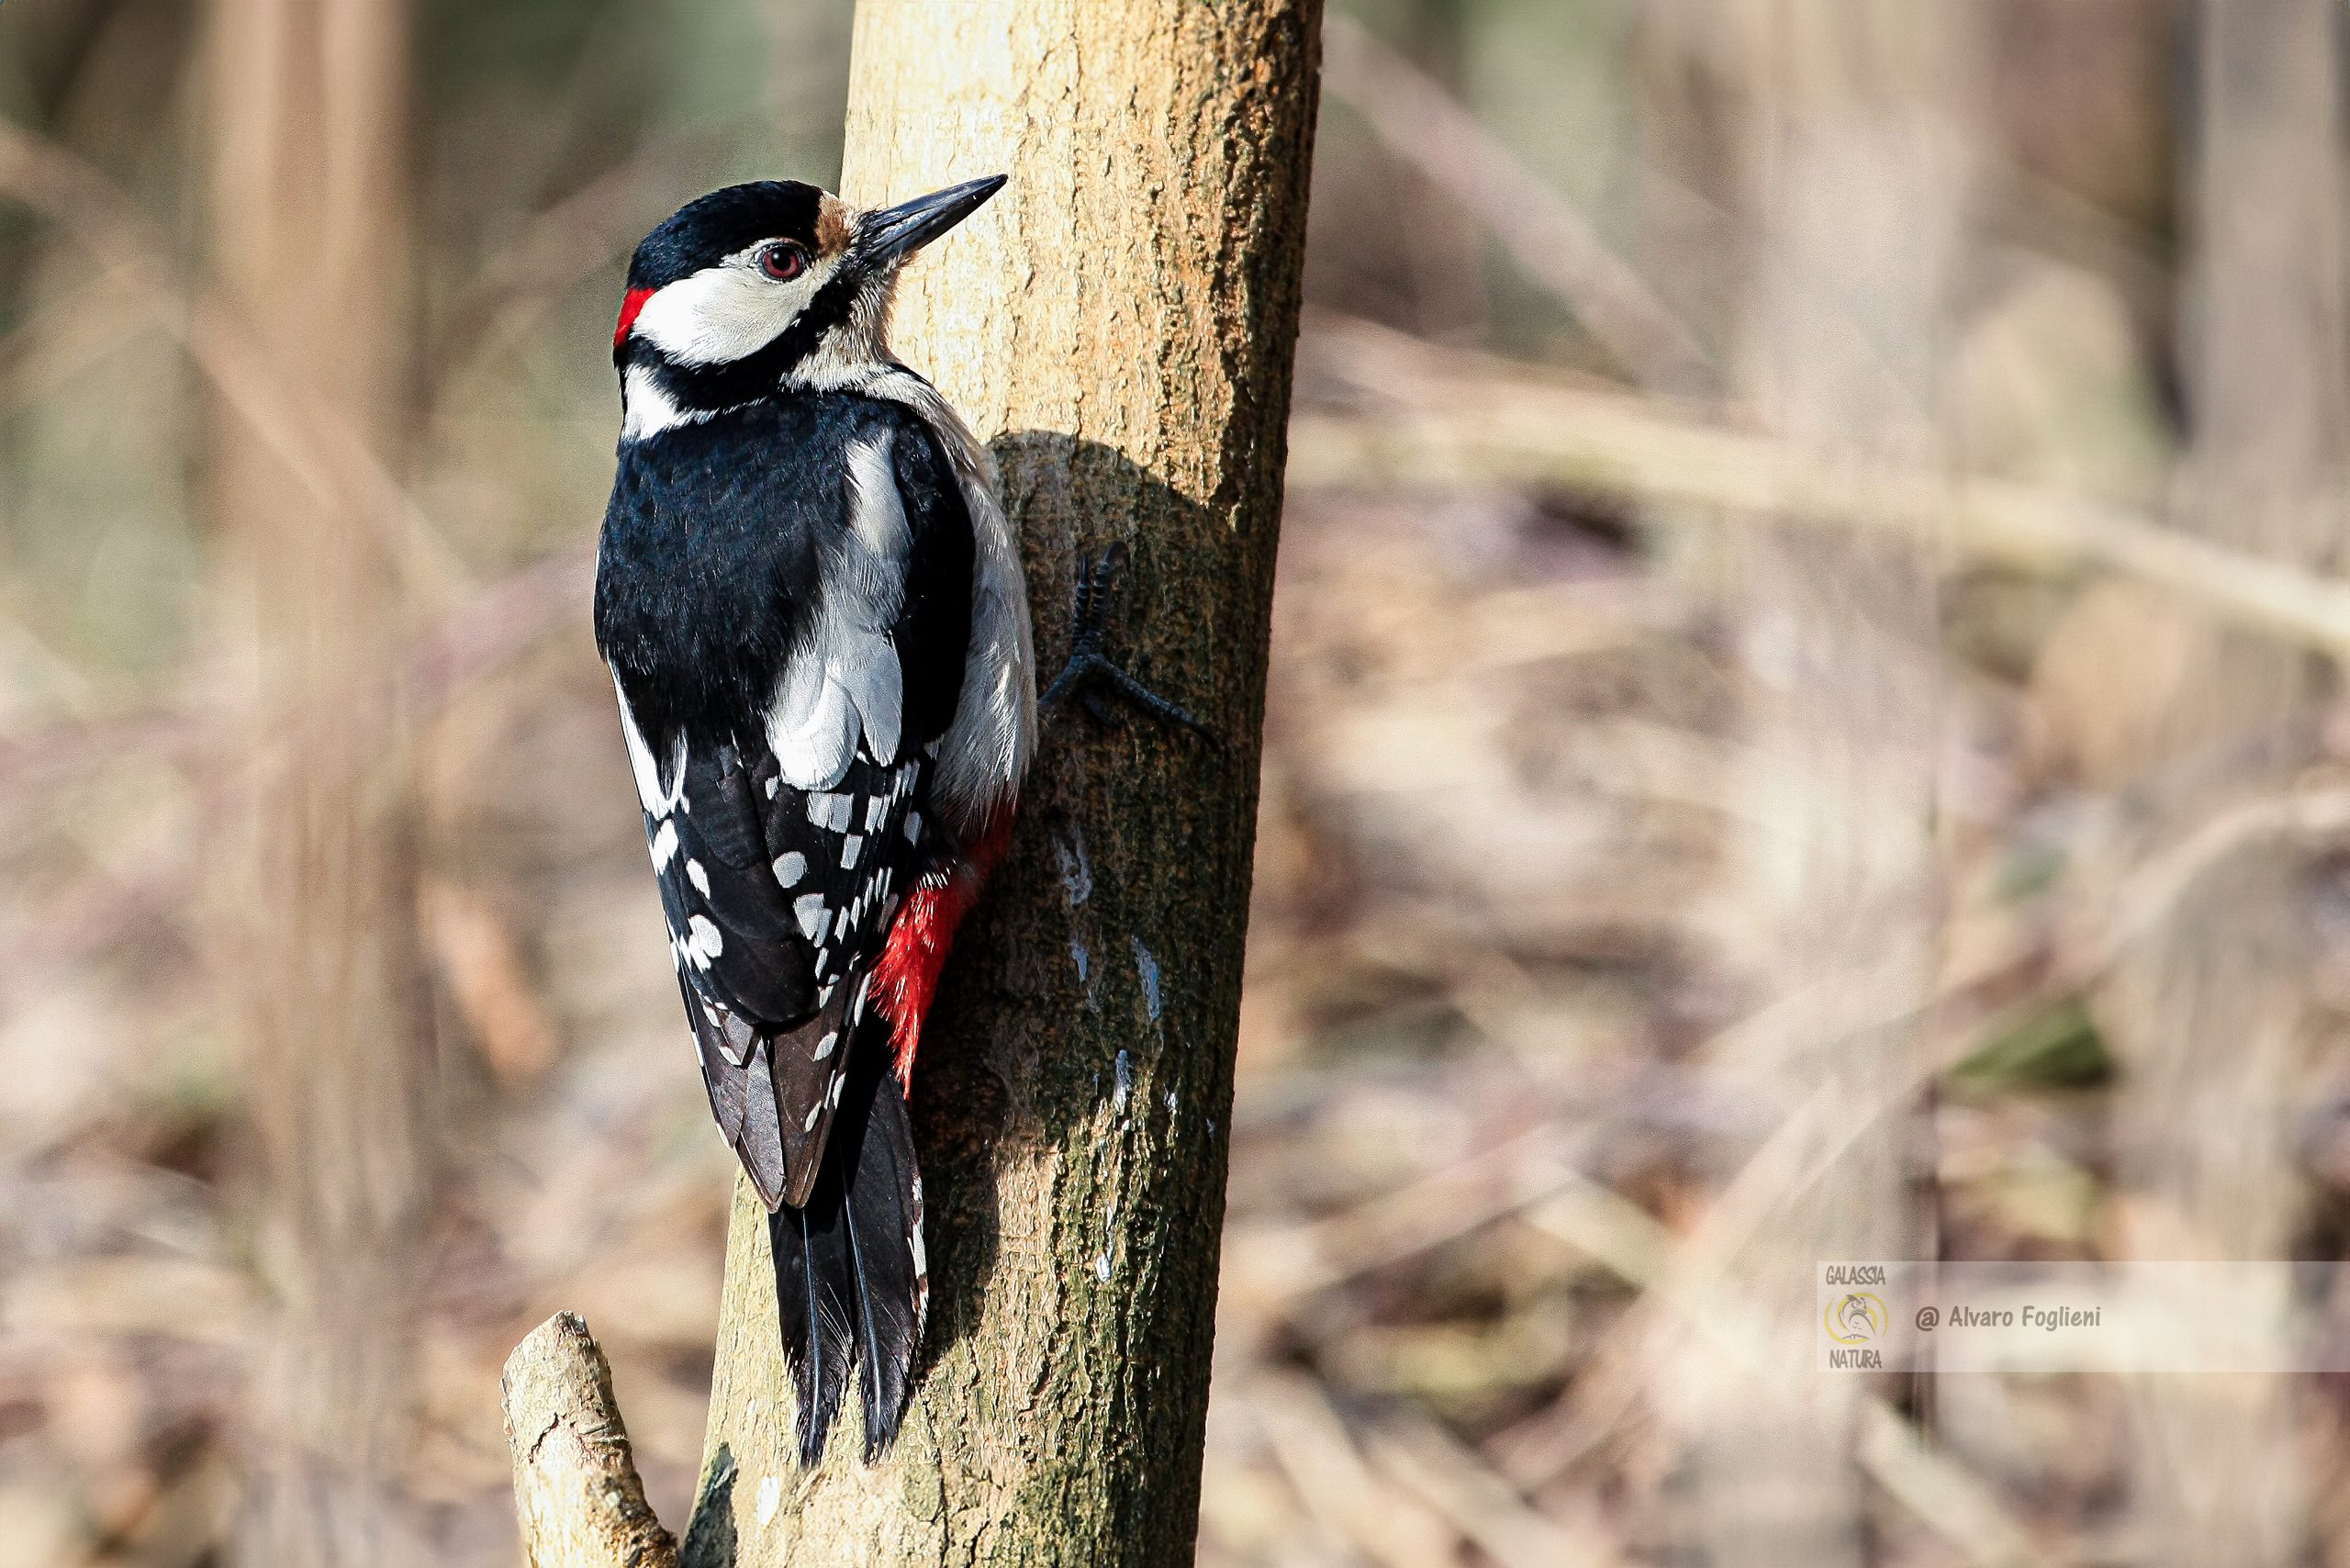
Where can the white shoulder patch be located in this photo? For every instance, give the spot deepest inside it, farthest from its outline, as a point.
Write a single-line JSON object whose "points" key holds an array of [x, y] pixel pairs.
{"points": [[845, 679], [657, 801]]}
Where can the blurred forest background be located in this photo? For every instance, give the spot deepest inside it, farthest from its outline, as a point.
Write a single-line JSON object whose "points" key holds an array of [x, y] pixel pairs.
{"points": [[1803, 725]]}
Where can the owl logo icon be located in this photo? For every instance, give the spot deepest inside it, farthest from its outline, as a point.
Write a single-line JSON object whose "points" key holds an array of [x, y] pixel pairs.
{"points": [[1857, 1317]]}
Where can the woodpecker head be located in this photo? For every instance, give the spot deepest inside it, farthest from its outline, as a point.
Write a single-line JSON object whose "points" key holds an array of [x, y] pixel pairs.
{"points": [[764, 285]]}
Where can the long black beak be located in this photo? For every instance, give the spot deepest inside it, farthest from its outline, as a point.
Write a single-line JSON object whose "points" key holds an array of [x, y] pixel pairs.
{"points": [[899, 231]]}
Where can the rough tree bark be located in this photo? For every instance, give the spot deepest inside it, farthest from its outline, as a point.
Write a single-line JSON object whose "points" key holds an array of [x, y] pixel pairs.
{"points": [[1118, 323], [576, 1486]]}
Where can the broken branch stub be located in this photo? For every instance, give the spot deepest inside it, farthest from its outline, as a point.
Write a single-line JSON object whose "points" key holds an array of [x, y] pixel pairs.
{"points": [[576, 1486]]}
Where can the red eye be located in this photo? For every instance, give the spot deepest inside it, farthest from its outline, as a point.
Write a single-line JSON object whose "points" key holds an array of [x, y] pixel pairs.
{"points": [[783, 261]]}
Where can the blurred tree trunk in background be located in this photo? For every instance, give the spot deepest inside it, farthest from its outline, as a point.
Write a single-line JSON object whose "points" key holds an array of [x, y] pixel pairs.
{"points": [[2212, 1015], [309, 220], [1855, 166], [1119, 323]]}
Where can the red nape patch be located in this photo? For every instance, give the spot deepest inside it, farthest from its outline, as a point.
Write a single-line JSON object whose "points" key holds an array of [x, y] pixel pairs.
{"points": [[631, 303], [905, 978]]}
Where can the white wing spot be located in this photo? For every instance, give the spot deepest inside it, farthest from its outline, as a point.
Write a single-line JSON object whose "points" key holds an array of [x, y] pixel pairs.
{"points": [[664, 844], [874, 806], [828, 811], [810, 1125], [914, 827], [704, 942], [850, 849], [697, 877], [814, 916], [789, 866], [824, 1047]]}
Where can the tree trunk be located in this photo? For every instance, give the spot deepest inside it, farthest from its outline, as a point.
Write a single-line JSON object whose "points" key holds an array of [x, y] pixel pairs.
{"points": [[314, 936], [1856, 180], [2212, 1013], [1118, 324]]}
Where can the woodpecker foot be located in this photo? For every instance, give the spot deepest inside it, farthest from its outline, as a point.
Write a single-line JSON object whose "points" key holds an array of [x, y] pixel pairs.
{"points": [[1091, 676]]}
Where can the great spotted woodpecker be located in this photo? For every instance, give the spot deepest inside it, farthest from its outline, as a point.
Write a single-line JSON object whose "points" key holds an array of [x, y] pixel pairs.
{"points": [[814, 614]]}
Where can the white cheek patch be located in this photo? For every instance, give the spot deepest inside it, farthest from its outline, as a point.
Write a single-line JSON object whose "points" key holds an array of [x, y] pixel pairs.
{"points": [[726, 312]]}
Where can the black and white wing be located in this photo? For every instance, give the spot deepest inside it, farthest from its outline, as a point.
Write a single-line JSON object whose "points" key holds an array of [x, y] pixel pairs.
{"points": [[782, 853]]}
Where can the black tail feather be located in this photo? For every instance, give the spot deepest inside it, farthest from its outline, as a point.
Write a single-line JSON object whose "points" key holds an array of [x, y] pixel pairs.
{"points": [[850, 1284], [884, 1212], [815, 1291]]}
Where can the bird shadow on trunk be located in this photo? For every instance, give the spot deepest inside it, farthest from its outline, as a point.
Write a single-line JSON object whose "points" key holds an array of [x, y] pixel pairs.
{"points": [[1045, 1019], [710, 1539]]}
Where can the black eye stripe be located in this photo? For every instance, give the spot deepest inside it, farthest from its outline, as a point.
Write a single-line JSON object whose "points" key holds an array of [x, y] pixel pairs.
{"points": [[738, 381]]}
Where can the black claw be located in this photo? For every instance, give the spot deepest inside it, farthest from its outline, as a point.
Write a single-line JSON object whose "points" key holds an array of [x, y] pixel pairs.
{"points": [[1095, 577], [1150, 701], [1065, 682], [1091, 676]]}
